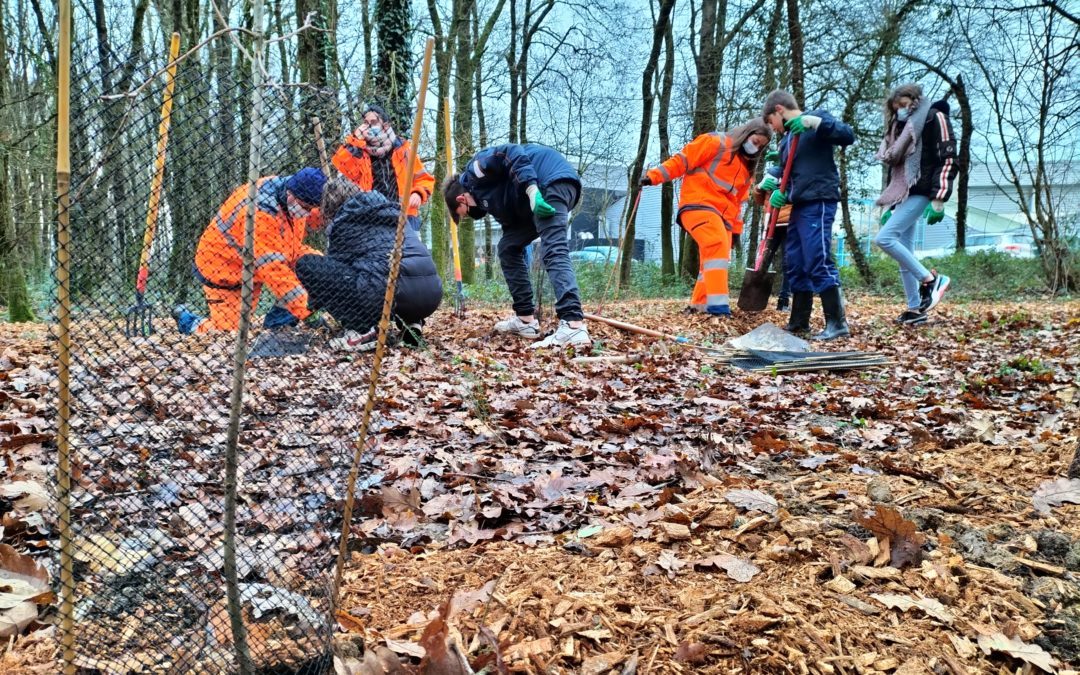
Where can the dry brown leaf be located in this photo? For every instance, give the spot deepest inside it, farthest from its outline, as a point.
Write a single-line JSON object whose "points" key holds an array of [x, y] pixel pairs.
{"points": [[14, 619], [614, 537], [738, 569], [930, 606], [691, 652], [349, 622], [752, 500], [21, 578], [32, 495], [1018, 649], [1055, 493], [906, 540]]}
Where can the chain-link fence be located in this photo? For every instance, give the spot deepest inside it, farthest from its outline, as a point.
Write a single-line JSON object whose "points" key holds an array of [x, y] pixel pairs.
{"points": [[160, 217]]}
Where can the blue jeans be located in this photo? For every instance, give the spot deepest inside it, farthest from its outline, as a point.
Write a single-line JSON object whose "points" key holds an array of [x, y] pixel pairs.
{"points": [[808, 247], [897, 238], [554, 253]]}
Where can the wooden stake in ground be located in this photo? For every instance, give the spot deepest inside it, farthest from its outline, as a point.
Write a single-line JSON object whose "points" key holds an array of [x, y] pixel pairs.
{"points": [[63, 282], [384, 322], [247, 285]]}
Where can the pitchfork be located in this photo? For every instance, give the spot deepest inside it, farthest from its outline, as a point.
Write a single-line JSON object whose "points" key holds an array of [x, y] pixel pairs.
{"points": [[139, 318]]}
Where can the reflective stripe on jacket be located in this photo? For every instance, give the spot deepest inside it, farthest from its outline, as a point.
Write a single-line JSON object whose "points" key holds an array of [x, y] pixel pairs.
{"points": [[279, 243], [353, 161], [717, 177]]}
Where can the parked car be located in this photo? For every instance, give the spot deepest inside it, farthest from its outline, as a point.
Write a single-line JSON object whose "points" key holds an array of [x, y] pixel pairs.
{"points": [[600, 255], [1018, 244]]}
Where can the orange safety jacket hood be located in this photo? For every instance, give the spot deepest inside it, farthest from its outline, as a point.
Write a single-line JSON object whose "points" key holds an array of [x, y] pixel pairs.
{"points": [[716, 177], [353, 161]]}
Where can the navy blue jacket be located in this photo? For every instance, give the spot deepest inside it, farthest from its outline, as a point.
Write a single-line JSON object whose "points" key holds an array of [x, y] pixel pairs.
{"points": [[497, 178], [813, 171], [362, 236]]}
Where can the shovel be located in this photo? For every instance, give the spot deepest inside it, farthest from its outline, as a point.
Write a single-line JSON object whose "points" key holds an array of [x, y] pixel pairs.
{"points": [[758, 282], [139, 318]]}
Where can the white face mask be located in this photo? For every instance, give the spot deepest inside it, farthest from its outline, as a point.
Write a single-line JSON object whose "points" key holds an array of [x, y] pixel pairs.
{"points": [[296, 211], [902, 114], [749, 147]]}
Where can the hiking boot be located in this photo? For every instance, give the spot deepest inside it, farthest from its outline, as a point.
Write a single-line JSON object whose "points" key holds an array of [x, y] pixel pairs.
{"points": [[783, 304], [565, 335], [832, 304], [802, 305], [515, 326], [187, 321], [932, 291], [355, 341], [912, 317]]}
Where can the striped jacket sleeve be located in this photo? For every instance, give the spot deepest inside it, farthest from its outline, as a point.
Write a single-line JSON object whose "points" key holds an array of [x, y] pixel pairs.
{"points": [[944, 155], [696, 153]]}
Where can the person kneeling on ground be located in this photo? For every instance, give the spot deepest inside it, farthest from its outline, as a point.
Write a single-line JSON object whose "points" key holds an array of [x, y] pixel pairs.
{"points": [[285, 207], [529, 189], [350, 281]]}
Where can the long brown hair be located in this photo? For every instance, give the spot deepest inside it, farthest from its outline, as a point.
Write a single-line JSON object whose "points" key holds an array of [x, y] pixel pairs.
{"points": [[738, 136], [910, 90], [338, 191]]}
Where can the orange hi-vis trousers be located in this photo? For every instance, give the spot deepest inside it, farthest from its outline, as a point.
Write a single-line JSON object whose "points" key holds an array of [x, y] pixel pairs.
{"points": [[713, 238], [224, 305]]}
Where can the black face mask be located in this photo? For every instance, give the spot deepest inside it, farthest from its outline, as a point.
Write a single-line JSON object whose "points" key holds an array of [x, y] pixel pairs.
{"points": [[476, 213]]}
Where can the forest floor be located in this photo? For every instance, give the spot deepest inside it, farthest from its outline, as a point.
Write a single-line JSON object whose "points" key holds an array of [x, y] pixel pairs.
{"points": [[670, 514]]}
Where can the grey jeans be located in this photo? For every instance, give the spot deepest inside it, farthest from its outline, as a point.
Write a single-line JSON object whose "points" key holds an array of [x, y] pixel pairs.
{"points": [[554, 252], [897, 239]]}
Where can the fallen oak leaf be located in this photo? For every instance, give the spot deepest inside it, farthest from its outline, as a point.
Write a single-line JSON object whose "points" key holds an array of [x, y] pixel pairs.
{"points": [[1055, 493], [752, 500], [887, 523], [738, 569], [930, 606], [32, 495], [1018, 649]]}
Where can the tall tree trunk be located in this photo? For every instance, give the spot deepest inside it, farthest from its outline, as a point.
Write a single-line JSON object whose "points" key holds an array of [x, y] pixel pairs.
{"points": [[311, 59], [489, 271], [663, 18], [768, 83], [444, 64], [795, 40], [667, 192], [13, 276], [393, 74], [464, 147], [511, 64]]}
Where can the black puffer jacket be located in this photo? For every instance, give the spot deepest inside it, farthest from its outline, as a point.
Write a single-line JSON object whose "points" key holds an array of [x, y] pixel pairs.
{"points": [[362, 236], [938, 166]]}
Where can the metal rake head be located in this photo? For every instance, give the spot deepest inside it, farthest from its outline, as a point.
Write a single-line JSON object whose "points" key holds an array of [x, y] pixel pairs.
{"points": [[139, 320]]}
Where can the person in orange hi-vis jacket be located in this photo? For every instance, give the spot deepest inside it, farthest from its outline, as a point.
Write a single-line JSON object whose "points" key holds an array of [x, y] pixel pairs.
{"points": [[285, 207], [718, 169], [375, 159]]}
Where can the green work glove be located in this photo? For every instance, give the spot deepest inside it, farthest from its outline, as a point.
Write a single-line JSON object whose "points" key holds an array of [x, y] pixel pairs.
{"points": [[802, 123], [885, 215], [778, 199], [537, 203], [768, 183], [772, 157], [934, 214]]}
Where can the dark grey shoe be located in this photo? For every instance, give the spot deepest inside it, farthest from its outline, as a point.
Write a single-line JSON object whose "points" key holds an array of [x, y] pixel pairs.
{"points": [[912, 317]]}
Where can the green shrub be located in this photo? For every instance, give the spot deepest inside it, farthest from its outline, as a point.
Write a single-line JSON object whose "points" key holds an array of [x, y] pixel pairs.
{"points": [[986, 275]]}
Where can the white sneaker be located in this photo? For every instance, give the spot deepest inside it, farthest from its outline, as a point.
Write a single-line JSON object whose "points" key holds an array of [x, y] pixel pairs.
{"points": [[515, 326], [353, 341], [564, 336]]}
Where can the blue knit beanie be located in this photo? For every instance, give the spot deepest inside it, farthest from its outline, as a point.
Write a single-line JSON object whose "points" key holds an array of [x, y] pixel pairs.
{"points": [[307, 185]]}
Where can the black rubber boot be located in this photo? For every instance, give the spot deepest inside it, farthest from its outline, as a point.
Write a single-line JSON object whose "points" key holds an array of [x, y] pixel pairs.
{"points": [[802, 305], [832, 303], [783, 304]]}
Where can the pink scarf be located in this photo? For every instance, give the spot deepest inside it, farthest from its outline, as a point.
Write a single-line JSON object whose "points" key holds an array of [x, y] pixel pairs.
{"points": [[377, 143]]}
